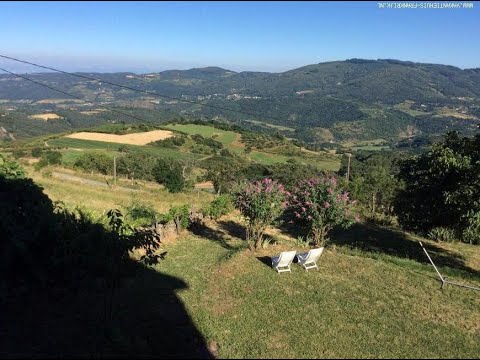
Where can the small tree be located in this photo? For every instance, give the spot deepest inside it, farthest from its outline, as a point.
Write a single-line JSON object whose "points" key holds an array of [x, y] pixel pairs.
{"points": [[49, 158], [170, 174], [95, 162], [261, 202], [319, 205]]}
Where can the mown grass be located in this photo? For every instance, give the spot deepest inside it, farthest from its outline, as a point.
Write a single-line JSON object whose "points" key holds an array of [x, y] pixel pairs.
{"points": [[355, 306]]}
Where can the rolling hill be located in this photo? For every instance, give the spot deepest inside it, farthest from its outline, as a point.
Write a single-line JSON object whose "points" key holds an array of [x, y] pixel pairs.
{"points": [[352, 100]]}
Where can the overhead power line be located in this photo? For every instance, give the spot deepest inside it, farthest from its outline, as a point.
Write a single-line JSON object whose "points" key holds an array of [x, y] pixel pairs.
{"points": [[74, 96], [258, 116]]}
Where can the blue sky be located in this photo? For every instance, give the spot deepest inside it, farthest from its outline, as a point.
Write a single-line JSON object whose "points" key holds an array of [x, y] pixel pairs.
{"points": [[257, 36]]}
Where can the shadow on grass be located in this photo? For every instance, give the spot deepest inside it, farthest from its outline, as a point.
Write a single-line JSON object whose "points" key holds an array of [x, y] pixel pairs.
{"points": [[265, 260], [233, 229], [91, 302], [219, 236], [147, 321], [375, 238]]}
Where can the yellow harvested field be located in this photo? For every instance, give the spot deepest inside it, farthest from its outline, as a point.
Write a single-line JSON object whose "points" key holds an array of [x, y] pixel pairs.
{"points": [[45, 117], [132, 139]]}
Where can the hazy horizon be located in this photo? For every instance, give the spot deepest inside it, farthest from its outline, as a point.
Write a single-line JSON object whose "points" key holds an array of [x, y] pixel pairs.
{"points": [[139, 70], [143, 37]]}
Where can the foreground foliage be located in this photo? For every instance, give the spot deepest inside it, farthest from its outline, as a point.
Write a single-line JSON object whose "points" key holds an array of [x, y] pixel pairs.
{"points": [[442, 188]]}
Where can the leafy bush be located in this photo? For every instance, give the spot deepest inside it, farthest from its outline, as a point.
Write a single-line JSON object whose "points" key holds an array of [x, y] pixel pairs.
{"points": [[170, 174], [441, 186], [442, 234], [10, 169], [303, 241], [141, 214], [471, 233], [214, 144], [171, 142], [37, 152], [181, 216], [260, 202], [136, 165], [319, 205], [49, 158], [220, 206], [17, 154]]}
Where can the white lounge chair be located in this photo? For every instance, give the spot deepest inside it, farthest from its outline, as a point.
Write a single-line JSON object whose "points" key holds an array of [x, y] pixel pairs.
{"points": [[309, 260], [282, 262]]}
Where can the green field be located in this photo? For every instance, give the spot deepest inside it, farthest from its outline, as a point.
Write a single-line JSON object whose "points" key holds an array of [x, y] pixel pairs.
{"points": [[223, 136], [100, 145], [74, 148]]}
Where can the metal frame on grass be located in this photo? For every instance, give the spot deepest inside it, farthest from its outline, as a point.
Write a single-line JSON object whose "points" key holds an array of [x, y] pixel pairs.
{"points": [[444, 279]]}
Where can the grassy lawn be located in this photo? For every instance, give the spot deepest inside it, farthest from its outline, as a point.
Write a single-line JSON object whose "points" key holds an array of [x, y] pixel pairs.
{"points": [[355, 306]]}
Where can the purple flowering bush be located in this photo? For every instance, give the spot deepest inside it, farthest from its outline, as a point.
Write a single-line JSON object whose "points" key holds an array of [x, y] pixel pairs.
{"points": [[319, 204], [260, 202]]}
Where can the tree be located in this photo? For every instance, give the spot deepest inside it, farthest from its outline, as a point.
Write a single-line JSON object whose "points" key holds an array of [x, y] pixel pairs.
{"points": [[260, 202], [136, 165], [49, 158], [373, 181], [95, 162], [170, 174], [318, 205], [442, 187], [223, 175]]}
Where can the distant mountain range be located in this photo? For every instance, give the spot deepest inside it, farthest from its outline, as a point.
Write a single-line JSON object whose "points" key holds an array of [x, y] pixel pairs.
{"points": [[334, 101]]}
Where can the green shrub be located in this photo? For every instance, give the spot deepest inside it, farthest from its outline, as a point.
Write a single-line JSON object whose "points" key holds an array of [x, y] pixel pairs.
{"points": [[170, 174], [220, 206], [141, 214], [181, 216], [17, 154], [95, 162], [37, 152], [136, 165], [442, 234], [171, 142], [49, 158], [471, 234]]}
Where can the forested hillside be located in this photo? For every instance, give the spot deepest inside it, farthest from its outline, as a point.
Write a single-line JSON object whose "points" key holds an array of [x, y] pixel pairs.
{"points": [[350, 100]]}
